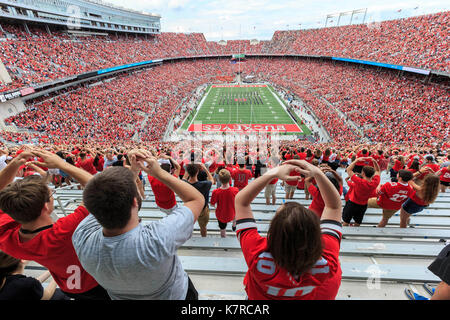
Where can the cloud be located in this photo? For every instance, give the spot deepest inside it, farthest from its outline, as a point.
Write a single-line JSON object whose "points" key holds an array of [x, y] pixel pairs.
{"points": [[237, 19]]}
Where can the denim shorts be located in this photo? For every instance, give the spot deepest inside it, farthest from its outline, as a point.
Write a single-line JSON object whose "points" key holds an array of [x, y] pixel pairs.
{"points": [[411, 207]]}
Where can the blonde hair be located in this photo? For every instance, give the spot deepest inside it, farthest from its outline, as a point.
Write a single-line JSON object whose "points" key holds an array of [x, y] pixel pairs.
{"points": [[224, 176]]}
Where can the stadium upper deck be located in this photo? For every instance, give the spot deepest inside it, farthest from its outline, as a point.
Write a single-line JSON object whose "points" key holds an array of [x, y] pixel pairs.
{"points": [[34, 55], [81, 15]]}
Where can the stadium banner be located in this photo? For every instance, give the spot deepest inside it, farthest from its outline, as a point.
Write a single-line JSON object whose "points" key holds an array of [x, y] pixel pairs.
{"points": [[27, 91], [384, 65], [126, 66], [245, 128], [372, 63]]}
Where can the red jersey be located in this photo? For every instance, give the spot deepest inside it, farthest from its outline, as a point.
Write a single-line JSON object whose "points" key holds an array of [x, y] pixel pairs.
{"points": [[164, 196], [241, 177], [265, 280], [362, 189], [445, 175], [392, 195], [51, 248], [224, 198]]}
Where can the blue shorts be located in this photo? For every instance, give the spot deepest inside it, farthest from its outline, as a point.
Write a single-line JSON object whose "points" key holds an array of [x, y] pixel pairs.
{"points": [[411, 207]]}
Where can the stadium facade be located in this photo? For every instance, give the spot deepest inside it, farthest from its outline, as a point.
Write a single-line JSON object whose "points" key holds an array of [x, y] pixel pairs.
{"points": [[94, 16]]}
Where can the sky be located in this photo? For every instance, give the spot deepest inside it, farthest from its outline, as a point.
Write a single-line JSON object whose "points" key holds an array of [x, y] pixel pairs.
{"points": [[259, 19]]}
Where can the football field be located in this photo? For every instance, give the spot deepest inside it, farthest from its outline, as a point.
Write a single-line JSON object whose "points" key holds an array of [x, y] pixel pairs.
{"points": [[242, 108]]}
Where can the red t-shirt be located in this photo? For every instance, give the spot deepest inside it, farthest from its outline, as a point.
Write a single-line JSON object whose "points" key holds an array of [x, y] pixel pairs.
{"points": [[363, 189], [273, 181], [392, 195], [365, 162], [397, 165], [100, 164], [164, 196], [241, 177], [293, 174], [87, 165], [317, 205], [434, 166], [265, 280], [445, 175], [51, 248], [302, 155], [414, 197], [224, 198]]}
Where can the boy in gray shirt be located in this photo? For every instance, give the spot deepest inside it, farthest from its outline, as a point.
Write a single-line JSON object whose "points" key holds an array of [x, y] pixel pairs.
{"points": [[129, 259]]}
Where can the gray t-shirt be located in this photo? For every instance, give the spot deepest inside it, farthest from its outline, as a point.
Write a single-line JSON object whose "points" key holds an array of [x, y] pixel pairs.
{"points": [[141, 264]]}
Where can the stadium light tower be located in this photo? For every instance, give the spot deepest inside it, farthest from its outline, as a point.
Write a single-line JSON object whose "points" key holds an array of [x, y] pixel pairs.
{"points": [[346, 13]]}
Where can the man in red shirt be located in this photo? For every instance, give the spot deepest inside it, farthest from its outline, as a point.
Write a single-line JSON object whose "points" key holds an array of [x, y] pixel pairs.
{"points": [[28, 232], [362, 188], [164, 196], [429, 163], [224, 199], [360, 162], [241, 176], [278, 269], [317, 205], [391, 195], [86, 163]]}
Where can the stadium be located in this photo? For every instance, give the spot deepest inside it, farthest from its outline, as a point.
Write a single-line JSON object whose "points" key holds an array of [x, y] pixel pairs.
{"points": [[86, 85]]}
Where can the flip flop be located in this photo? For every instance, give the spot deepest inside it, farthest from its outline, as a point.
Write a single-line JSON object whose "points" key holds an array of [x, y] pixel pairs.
{"points": [[414, 296], [429, 289]]}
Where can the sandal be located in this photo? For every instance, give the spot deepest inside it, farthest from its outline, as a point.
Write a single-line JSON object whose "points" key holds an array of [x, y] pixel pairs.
{"points": [[428, 288], [414, 296]]}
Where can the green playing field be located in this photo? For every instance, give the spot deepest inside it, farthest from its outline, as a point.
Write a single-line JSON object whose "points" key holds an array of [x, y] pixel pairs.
{"points": [[245, 105]]}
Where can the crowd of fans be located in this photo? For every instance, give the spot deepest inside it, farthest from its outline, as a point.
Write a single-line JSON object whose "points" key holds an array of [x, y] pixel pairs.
{"points": [[388, 108], [105, 241], [42, 56], [115, 110], [350, 103], [108, 138], [416, 42]]}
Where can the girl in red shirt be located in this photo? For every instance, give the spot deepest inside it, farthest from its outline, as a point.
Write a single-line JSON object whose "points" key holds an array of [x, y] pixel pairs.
{"points": [[421, 198]]}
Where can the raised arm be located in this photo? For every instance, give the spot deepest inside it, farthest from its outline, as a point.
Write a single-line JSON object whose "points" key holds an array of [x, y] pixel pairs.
{"points": [[190, 196], [245, 197], [330, 196], [52, 161], [10, 171], [349, 169]]}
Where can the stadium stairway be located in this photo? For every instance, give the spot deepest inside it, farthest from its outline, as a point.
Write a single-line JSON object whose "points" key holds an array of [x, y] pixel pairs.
{"points": [[377, 263]]}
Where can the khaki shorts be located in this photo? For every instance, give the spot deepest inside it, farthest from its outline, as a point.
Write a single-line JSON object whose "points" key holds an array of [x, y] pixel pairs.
{"points": [[290, 189], [203, 219], [387, 213], [270, 190]]}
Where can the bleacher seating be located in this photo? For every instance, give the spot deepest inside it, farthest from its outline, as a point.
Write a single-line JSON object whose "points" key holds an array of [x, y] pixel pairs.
{"points": [[397, 257]]}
